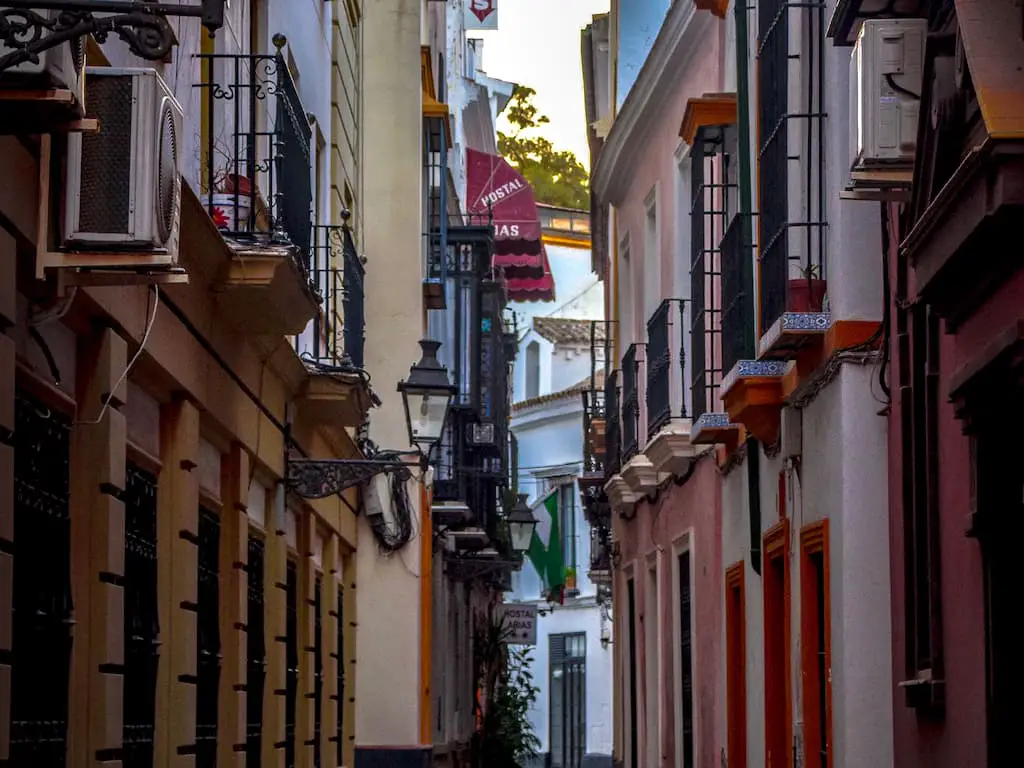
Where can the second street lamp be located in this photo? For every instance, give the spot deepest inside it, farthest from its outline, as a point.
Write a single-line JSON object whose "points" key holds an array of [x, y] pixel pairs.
{"points": [[521, 524]]}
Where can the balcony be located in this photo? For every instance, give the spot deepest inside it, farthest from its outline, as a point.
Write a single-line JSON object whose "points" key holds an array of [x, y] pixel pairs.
{"points": [[668, 430], [254, 181], [600, 555], [336, 391], [792, 237], [631, 362]]}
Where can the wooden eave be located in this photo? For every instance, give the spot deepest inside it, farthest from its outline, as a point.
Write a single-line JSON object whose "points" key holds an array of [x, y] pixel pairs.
{"points": [[432, 108], [711, 109]]}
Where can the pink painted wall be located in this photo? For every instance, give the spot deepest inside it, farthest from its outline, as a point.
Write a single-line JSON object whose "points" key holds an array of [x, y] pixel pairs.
{"points": [[693, 509], [656, 166], [957, 739]]}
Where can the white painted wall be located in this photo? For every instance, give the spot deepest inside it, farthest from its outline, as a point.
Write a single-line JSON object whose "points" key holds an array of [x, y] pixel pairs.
{"points": [[578, 292]]}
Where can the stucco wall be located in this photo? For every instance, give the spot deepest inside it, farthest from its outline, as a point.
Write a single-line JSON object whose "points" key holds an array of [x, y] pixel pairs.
{"points": [[682, 516]]}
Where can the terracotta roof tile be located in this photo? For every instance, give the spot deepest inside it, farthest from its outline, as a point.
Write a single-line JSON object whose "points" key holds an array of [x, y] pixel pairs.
{"points": [[575, 389], [562, 330]]}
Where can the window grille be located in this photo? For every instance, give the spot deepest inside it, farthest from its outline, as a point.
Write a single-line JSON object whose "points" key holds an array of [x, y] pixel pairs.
{"points": [[256, 654]]}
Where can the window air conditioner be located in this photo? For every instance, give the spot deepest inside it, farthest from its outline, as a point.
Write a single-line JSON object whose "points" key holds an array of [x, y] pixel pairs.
{"points": [[886, 71], [123, 190], [61, 67]]}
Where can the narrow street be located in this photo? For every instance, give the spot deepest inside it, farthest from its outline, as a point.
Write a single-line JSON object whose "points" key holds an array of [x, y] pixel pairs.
{"points": [[510, 383]]}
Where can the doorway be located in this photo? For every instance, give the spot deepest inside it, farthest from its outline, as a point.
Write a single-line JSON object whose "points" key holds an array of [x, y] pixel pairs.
{"points": [[568, 712]]}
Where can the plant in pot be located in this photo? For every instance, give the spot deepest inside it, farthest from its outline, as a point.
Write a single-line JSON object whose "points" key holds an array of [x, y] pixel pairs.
{"points": [[807, 292]]}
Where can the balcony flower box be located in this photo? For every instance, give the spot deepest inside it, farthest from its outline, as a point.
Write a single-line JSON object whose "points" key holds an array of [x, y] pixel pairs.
{"points": [[806, 295]]}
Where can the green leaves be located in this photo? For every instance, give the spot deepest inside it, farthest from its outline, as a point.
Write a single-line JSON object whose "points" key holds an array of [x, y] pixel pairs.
{"points": [[556, 176]]}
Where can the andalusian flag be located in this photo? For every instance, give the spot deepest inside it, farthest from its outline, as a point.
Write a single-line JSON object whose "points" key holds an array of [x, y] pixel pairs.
{"points": [[546, 546]]}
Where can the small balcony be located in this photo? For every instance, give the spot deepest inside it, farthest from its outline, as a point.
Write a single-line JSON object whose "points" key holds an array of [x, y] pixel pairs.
{"points": [[631, 363], [254, 173], [668, 430]]}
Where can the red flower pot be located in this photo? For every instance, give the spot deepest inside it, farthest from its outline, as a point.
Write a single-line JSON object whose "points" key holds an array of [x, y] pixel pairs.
{"points": [[805, 295]]}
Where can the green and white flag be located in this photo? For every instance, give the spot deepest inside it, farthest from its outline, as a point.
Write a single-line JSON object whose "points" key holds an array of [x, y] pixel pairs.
{"points": [[546, 546]]}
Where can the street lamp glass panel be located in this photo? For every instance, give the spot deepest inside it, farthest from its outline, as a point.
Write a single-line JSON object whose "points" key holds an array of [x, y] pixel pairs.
{"points": [[521, 523], [427, 412]]}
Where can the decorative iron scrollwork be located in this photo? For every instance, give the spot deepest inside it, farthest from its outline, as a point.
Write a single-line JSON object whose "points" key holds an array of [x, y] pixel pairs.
{"points": [[320, 478], [29, 29]]}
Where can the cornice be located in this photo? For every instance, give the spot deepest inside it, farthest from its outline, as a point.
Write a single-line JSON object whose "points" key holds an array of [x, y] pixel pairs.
{"points": [[677, 43]]}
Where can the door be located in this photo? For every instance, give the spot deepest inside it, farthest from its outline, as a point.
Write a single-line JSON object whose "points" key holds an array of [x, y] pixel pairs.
{"points": [[568, 711]]}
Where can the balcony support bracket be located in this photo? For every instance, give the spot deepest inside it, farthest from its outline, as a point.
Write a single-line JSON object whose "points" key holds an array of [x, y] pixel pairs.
{"points": [[27, 33]]}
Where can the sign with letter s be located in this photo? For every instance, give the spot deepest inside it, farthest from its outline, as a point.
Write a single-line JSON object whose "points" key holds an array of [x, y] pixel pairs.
{"points": [[481, 14]]}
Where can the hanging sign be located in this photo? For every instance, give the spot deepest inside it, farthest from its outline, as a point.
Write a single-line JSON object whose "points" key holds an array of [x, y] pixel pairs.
{"points": [[521, 622], [481, 14]]}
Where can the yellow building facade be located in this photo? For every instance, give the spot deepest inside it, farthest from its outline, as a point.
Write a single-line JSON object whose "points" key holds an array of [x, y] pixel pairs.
{"points": [[165, 599]]}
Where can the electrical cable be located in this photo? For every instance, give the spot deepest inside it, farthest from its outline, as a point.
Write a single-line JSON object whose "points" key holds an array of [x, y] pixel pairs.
{"points": [[900, 89], [135, 358]]}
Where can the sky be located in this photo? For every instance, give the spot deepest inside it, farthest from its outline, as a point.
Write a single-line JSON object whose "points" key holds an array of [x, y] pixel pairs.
{"points": [[537, 44]]}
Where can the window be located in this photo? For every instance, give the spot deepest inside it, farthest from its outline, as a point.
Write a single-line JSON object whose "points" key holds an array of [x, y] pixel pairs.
{"points": [[568, 710], [631, 671], [567, 511], [680, 265], [318, 670], [141, 624], [340, 737], [626, 296], [652, 668], [790, 120], [208, 639], [41, 622], [291, 652], [532, 370], [256, 654], [736, 666], [684, 744], [777, 700], [652, 255], [815, 644], [918, 333]]}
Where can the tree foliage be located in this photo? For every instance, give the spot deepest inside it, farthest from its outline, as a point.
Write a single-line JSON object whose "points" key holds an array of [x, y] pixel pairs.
{"points": [[556, 176]]}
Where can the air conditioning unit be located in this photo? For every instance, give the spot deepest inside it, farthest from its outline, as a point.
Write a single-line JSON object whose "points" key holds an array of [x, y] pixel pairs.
{"points": [[123, 187], [61, 67], [886, 71]]}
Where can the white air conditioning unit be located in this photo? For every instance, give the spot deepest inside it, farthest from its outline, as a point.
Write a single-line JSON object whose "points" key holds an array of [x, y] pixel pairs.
{"points": [[123, 190], [886, 71], [61, 67]]}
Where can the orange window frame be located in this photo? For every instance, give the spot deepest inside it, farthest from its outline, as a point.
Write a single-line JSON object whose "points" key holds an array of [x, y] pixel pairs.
{"points": [[736, 665], [778, 700], [814, 541]]}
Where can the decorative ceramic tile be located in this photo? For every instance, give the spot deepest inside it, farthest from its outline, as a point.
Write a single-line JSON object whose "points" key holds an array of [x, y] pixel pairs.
{"points": [[795, 324], [711, 421], [746, 369]]}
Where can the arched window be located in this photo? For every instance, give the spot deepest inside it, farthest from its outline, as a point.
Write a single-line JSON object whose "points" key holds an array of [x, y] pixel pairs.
{"points": [[532, 370]]}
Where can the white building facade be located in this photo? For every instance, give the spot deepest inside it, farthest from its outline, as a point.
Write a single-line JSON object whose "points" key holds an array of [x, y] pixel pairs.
{"points": [[572, 662]]}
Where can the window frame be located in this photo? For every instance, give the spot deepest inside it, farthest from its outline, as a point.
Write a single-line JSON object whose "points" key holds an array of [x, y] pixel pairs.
{"points": [[778, 705], [684, 547], [736, 664], [814, 541]]}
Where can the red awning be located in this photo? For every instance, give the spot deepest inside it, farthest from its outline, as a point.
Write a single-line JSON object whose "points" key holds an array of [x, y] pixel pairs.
{"points": [[496, 189], [531, 283]]}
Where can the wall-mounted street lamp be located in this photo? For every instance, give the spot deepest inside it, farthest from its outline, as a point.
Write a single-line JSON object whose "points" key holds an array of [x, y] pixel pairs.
{"points": [[27, 30], [521, 524], [427, 395]]}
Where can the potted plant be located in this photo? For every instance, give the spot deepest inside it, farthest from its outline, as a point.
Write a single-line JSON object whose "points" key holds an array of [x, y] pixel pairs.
{"points": [[807, 292]]}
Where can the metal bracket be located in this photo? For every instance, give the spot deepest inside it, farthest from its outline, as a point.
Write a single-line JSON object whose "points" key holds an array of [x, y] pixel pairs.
{"points": [[320, 478], [26, 32]]}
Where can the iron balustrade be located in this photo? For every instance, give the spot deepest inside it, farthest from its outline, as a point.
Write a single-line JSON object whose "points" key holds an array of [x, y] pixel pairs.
{"points": [[256, 653], [714, 194], [630, 402], [338, 334], [256, 151], [141, 622], [737, 297], [613, 425], [318, 670], [43, 613], [792, 232], [435, 204], [208, 639], [594, 431], [660, 338], [291, 653]]}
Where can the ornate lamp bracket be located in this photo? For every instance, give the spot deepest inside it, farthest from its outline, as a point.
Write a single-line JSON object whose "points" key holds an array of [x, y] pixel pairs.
{"points": [[26, 32], [320, 478]]}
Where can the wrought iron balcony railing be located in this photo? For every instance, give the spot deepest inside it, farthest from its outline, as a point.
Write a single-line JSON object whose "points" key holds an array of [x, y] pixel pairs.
{"points": [[600, 554], [255, 164], [337, 334], [613, 425], [792, 231], [665, 347], [737, 300], [630, 401]]}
